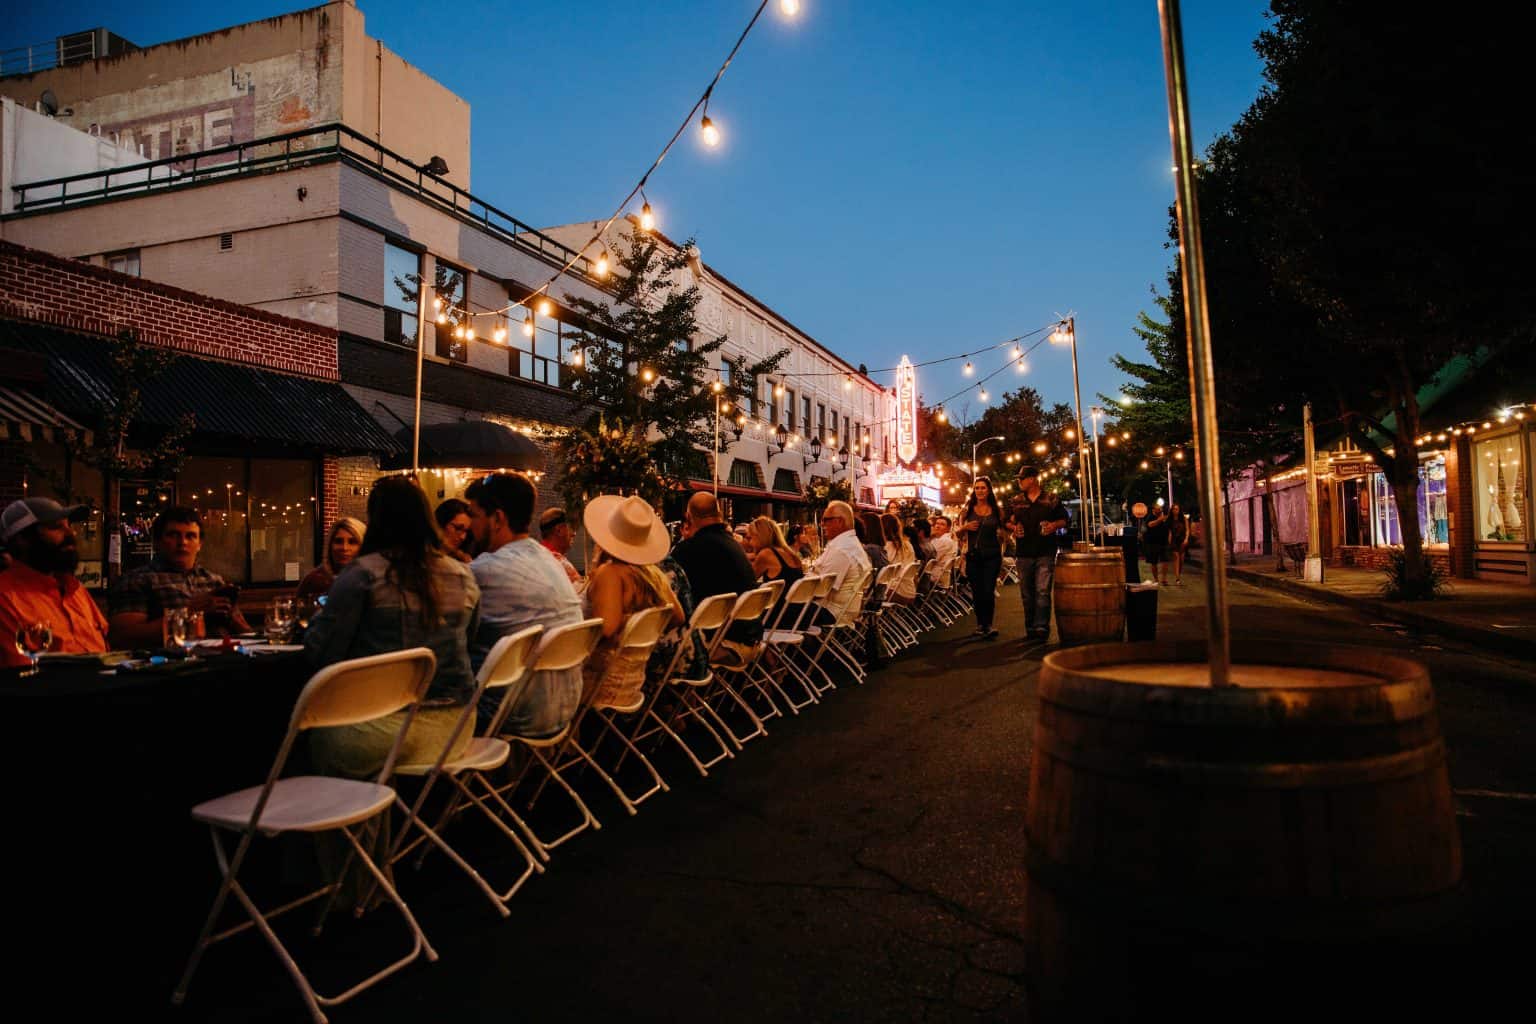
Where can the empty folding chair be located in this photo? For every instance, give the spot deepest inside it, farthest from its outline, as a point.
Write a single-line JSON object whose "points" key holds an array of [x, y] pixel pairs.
{"points": [[346, 693], [679, 698], [505, 666], [784, 639], [564, 647], [730, 660], [620, 691]]}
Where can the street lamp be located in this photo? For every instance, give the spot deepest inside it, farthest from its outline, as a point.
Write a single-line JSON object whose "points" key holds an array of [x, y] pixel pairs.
{"points": [[1098, 477], [1066, 334], [977, 446]]}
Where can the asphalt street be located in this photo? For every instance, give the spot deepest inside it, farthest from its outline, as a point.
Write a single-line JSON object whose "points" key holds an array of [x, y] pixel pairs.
{"points": [[863, 862]]}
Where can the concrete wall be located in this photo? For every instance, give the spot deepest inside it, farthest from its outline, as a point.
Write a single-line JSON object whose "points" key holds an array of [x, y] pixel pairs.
{"points": [[267, 77], [34, 147]]}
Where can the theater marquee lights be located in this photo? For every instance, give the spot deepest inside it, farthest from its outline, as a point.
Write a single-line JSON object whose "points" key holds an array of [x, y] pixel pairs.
{"points": [[906, 411]]}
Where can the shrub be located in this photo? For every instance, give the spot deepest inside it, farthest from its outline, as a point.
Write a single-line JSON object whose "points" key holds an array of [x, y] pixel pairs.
{"points": [[1397, 587]]}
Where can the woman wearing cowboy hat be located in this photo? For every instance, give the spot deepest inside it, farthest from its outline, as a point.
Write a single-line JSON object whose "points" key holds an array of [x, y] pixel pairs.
{"points": [[631, 539]]}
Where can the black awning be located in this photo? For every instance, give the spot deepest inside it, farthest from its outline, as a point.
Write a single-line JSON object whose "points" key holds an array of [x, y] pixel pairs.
{"points": [[469, 444], [228, 400]]}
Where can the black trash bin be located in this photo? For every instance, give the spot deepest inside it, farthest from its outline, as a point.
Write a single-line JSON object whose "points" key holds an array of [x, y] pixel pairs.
{"points": [[1140, 611]]}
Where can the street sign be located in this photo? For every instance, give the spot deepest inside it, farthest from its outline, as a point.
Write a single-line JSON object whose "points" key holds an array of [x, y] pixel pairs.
{"points": [[906, 411], [1352, 467]]}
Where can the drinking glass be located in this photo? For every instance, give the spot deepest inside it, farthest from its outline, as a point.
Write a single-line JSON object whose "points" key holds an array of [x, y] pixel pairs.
{"points": [[179, 629], [32, 641], [279, 620]]}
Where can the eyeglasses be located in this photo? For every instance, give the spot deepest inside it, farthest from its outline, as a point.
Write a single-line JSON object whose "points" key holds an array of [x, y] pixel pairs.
{"points": [[835, 516]]}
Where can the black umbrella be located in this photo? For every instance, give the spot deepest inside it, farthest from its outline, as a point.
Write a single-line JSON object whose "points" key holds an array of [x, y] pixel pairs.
{"points": [[470, 444]]}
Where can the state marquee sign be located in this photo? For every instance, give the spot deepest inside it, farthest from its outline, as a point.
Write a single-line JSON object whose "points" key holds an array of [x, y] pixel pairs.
{"points": [[906, 411]]}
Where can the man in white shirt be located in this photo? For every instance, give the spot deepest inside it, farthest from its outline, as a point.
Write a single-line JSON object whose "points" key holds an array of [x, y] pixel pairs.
{"points": [[844, 558], [520, 585], [943, 550]]}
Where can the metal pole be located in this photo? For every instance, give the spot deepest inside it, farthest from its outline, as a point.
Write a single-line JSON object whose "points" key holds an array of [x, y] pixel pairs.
{"points": [[716, 474], [421, 341], [1168, 466], [1098, 475], [1077, 400], [1314, 566], [1202, 383]]}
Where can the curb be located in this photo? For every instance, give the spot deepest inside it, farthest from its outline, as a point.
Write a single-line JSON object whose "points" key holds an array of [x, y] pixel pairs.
{"points": [[1490, 638]]}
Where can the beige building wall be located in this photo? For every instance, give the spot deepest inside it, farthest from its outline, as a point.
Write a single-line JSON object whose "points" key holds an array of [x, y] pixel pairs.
{"points": [[264, 78]]}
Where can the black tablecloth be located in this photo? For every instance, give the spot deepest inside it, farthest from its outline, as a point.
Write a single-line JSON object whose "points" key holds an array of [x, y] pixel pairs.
{"points": [[109, 876]]}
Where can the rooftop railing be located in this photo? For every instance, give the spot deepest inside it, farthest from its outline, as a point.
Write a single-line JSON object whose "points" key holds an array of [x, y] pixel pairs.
{"points": [[284, 152]]}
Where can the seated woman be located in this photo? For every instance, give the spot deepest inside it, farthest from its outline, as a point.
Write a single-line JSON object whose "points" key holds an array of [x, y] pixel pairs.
{"points": [[400, 592], [773, 558], [341, 547], [870, 538], [631, 539], [898, 551], [453, 520]]}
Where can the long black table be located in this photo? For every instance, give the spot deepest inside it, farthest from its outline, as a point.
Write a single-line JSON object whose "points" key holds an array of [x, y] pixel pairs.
{"points": [[108, 876]]}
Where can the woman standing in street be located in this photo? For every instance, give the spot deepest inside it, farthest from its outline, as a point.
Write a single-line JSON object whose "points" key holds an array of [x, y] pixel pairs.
{"points": [[1155, 540], [1178, 541], [979, 526]]}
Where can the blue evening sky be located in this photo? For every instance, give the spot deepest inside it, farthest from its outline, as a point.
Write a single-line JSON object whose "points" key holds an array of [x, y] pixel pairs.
{"points": [[917, 177]]}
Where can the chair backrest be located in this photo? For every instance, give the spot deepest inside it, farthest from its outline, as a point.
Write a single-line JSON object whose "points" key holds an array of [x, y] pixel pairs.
{"points": [[825, 585], [567, 646], [508, 660], [622, 685], [796, 600], [752, 605], [889, 574], [362, 689], [774, 588], [709, 615]]}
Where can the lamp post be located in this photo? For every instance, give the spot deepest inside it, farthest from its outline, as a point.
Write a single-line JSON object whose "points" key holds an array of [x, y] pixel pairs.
{"points": [[976, 447], [1098, 477], [1066, 333]]}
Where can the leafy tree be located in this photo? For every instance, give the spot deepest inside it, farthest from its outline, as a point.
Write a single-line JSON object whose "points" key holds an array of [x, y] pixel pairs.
{"points": [[133, 366], [644, 365]]}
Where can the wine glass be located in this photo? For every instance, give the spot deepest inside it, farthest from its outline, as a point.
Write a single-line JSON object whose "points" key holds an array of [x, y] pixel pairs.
{"points": [[179, 629], [279, 620], [31, 641]]}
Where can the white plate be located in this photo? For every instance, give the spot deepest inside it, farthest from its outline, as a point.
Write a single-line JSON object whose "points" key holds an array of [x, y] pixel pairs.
{"points": [[277, 648]]}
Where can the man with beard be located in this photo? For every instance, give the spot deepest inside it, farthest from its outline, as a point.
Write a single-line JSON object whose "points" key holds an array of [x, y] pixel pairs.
{"points": [[40, 585]]}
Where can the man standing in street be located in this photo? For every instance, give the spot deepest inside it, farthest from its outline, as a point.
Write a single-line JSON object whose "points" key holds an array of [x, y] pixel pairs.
{"points": [[1035, 519], [40, 585], [172, 579], [520, 585], [556, 535]]}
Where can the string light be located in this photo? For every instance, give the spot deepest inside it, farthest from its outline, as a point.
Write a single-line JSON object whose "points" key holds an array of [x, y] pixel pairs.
{"points": [[544, 307], [442, 318], [710, 133], [646, 375], [968, 369], [528, 324], [647, 217], [789, 7], [602, 264], [499, 334], [983, 394], [942, 417]]}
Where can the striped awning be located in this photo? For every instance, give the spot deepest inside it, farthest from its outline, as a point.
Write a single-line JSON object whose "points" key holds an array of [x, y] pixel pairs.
{"points": [[26, 417]]}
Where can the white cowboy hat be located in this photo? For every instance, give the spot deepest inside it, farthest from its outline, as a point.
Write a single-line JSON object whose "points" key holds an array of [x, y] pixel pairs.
{"points": [[627, 528]]}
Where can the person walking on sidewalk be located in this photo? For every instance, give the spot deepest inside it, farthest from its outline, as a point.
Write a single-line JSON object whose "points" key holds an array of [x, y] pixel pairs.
{"points": [[1034, 520], [980, 524], [1178, 541], [1155, 540]]}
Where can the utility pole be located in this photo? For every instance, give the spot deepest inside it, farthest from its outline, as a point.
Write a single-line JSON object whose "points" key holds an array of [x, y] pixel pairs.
{"points": [[1313, 572]]}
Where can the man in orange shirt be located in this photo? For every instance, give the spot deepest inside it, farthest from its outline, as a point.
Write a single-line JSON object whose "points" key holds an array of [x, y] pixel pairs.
{"points": [[40, 585]]}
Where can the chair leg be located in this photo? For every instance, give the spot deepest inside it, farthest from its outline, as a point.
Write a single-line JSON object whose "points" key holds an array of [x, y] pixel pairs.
{"points": [[609, 727]]}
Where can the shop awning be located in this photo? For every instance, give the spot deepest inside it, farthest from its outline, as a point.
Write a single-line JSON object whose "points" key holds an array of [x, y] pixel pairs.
{"points": [[25, 416], [229, 401], [469, 444]]}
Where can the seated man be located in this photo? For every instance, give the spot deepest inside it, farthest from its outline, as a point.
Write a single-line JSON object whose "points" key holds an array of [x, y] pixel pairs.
{"points": [[943, 550], [172, 579], [40, 586], [715, 562], [844, 559], [556, 535], [520, 585]]}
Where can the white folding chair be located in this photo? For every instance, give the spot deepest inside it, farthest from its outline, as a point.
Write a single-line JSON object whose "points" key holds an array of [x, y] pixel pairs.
{"points": [[346, 693], [784, 638], [685, 689], [734, 660], [506, 665], [621, 691], [562, 648]]}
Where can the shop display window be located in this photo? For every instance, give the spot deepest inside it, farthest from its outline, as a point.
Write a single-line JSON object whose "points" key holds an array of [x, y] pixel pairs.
{"points": [[1499, 475]]}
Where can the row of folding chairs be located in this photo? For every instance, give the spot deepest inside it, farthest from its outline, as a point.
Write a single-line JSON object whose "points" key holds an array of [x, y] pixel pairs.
{"points": [[742, 660]]}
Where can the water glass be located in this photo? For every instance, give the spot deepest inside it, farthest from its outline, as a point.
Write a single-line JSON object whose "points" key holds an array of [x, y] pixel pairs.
{"points": [[32, 640], [179, 629], [280, 618]]}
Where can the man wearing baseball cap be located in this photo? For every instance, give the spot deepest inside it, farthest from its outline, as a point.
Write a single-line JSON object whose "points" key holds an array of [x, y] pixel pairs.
{"points": [[556, 535], [40, 585]]}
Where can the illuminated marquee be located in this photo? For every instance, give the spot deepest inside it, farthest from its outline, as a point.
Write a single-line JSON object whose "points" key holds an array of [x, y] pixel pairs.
{"points": [[906, 411]]}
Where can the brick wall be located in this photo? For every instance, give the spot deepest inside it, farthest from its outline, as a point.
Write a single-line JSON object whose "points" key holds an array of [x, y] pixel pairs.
{"points": [[330, 496], [42, 288], [1459, 502], [1361, 557], [354, 479]]}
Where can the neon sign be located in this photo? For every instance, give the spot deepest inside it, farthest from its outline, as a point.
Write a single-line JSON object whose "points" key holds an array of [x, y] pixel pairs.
{"points": [[906, 411]]}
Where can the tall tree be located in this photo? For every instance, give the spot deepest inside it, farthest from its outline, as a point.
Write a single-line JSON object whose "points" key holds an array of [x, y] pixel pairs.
{"points": [[644, 367]]}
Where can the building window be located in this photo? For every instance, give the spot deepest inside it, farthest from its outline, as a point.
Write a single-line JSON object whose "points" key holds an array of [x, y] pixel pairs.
{"points": [[125, 262], [539, 358], [846, 436], [282, 541], [450, 284], [1499, 474], [216, 488], [805, 414], [1434, 511], [789, 411], [402, 283], [770, 403], [821, 422]]}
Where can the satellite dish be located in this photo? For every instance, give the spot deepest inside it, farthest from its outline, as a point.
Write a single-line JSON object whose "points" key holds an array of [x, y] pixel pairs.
{"points": [[48, 103]]}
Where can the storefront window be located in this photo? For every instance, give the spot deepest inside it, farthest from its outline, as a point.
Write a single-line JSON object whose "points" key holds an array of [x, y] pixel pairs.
{"points": [[1499, 486], [216, 488], [282, 519], [1434, 511]]}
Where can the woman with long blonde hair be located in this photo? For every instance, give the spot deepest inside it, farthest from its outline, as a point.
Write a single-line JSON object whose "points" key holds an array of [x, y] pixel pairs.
{"points": [[898, 551], [342, 544]]}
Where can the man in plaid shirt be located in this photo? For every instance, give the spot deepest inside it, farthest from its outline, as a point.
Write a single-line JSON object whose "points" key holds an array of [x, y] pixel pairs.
{"points": [[172, 579]]}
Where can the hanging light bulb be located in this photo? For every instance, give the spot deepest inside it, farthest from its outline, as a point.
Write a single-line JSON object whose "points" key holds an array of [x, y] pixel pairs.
{"points": [[458, 332], [544, 307], [942, 417], [983, 394], [499, 335], [647, 217], [710, 132], [602, 264], [646, 375], [1023, 366], [1018, 353], [847, 383], [575, 357], [528, 324], [968, 369], [716, 387], [442, 318], [778, 391], [789, 7], [437, 302]]}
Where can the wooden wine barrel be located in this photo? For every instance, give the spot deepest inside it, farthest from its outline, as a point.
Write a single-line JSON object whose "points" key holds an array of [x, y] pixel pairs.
{"points": [[1089, 595], [1188, 845]]}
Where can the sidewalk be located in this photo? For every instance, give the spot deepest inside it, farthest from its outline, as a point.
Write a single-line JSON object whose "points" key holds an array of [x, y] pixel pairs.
{"points": [[1497, 616]]}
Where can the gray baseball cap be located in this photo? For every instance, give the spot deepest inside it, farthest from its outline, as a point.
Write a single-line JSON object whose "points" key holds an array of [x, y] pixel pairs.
{"points": [[19, 515]]}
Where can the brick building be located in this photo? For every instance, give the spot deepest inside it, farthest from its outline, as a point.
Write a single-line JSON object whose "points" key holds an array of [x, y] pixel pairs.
{"points": [[267, 480]]}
